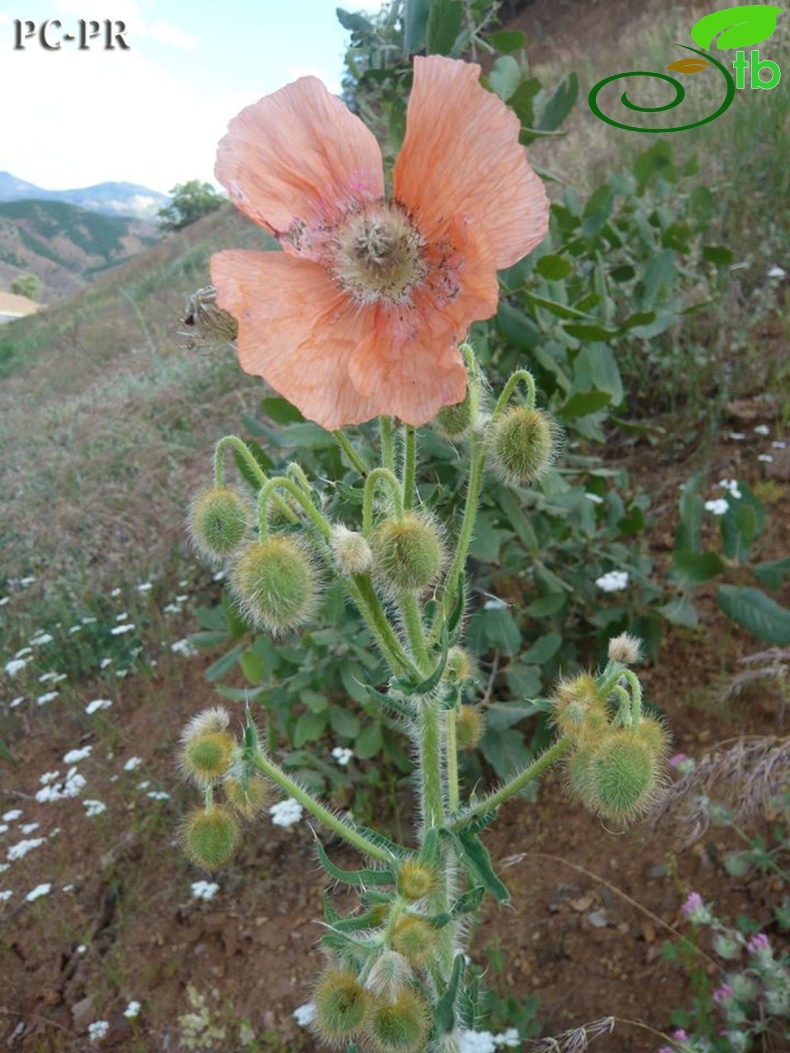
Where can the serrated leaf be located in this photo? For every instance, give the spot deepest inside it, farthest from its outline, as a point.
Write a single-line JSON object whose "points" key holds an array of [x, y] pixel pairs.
{"points": [[755, 611], [736, 27], [688, 65]]}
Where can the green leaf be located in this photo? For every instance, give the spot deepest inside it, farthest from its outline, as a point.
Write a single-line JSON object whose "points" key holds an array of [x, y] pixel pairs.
{"points": [[692, 509], [660, 275], [507, 40], [343, 722], [253, 667], [553, 268], [604, 372], [505, 77], [773, 572], [444, 1013], [698, 566], [349, 675], [742, 524], [717, 254], [517, 328], [209, 640], [583, 403], [589, 332], [478, 861], [654, 162], [680, 611], [309, 727], [503, 715], [354, 23], [445, 21], [279, 409], [544, 648], [755, 611], [415, 24], [505, 751], [561, 310], [501, 630], [737, 27], [223, 665], [560, 104], [368, 742], [640, 318], [360, 878], [597, 210]]}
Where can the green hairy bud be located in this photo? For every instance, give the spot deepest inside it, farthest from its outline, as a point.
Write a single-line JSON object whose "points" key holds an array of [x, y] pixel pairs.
{"points": [[523, 443], [206, 756], [578, 709], [407, 552], [274, 583], [470, 726], [415, 938], [616, 775], [452, 422], [218, 521], [247, 796], [416, 880], [210, 838], [341, 1006], [399, 1026]]}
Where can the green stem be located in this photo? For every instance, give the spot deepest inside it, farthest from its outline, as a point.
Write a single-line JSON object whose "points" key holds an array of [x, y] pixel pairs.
{"points": [[377, 476], [451, 762], [430, 763], [362, 592], [241, 448], [343, 442], [612, 675], [335, 823], [281, 482], [412, 621], [510, 386], [409, 465], [387, 433], [517, 783]]}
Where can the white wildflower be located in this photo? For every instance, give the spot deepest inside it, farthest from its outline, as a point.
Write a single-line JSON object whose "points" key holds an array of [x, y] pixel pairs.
{"points": [[508, 1038], [93, 807], [75, 756], [5, 895], [26, 581], [286, 813], [204, 889], [12, 816], [105, 662], [48, 696], [97, 704], [613, 581], [183, 647], [595, 498], [40, 639], [775, 271], [779, 444], [476, 1042], [766, 458], [119, 630], [718, 507], [342, 755], [21, 848], [16, 701], [98, 1030], [28, 828], [158, 795], [40, 890], [304, 1015], [732, 486], [16, 665], [132, 763], [762, 429], [133, 1009]]}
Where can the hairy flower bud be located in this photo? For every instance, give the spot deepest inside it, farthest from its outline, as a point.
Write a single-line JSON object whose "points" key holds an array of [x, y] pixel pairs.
{"points": [[218, 521], [452, 422], [625, 649], [616, 774], [247, 796], [460, 665], [212, 324], [523, 443], [578, 709], [415, 938], [341, 1005], [416, 880], [274, 583], [351, 550], [407, 552], [469, 727], [400, 1025], [206, 756], [209, 838]]}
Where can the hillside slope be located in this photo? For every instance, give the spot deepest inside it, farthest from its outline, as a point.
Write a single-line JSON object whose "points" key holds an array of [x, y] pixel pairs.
{"points": [[65, 246]]}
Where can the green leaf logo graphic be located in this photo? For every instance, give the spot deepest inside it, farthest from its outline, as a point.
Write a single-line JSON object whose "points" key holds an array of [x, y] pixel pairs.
{"points": [[737, 27]]}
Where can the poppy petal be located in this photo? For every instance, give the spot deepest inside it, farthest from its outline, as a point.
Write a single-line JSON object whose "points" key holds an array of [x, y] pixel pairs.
{"points": [[461, 154], [297, 331], [296, 158]]}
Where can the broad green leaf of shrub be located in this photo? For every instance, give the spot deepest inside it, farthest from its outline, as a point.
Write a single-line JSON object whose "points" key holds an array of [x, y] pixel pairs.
{"points": [[772, 572], [737, 27], [445, 21], [507, 40], [698, 566], [560, 104], [755, 611], [415, 25], [505, 77]]}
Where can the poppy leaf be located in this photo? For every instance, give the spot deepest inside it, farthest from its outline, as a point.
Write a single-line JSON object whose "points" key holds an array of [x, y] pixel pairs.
{"points": [[737, 27], [688, 65]]}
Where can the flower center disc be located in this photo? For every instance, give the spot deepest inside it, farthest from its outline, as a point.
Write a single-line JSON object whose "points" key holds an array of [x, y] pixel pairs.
{"points": [[378, 255]]}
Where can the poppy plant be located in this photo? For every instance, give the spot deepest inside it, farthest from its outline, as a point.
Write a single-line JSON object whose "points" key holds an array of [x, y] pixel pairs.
{"points": [[363, 312]]}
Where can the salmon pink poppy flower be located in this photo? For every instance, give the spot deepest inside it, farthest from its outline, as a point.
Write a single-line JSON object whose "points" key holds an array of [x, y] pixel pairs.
{"points": [[362, 314]]}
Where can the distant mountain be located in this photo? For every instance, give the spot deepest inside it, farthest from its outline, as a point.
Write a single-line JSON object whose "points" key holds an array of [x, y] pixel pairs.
{"points": [[111, 199], [65, 245]]}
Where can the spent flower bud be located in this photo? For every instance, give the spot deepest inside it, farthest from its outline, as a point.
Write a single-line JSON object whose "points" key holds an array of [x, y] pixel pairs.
{"points": [[351, 550], [625, 649]]}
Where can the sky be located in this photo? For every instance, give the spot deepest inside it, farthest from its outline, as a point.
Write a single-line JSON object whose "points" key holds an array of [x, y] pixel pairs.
{"points": [[152, 114]]}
